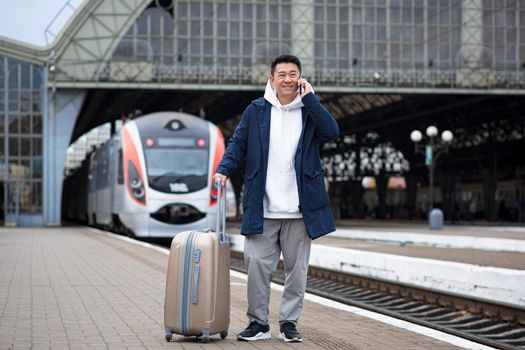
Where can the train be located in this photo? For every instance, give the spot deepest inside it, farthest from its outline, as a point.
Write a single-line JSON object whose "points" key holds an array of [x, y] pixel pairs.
{"points": [[152, 178]]}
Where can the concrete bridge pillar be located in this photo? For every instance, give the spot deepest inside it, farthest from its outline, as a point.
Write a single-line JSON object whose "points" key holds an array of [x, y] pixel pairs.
{"points": [[303, 35], [471, 33], [62, 111], [474, 61]]}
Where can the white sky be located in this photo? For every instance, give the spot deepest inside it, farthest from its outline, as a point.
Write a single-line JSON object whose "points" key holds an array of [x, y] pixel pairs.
{"points": [[26, 20]]}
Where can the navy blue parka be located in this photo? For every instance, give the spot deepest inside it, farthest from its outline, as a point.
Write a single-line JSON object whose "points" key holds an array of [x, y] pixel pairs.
{"points": [[249, 145]]}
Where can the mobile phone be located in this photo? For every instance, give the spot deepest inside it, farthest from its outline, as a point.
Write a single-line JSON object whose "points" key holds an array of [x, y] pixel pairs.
{"points": [[300, 89]]}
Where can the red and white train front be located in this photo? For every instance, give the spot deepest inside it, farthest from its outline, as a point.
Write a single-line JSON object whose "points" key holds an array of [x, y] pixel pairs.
{"points": [[168, 160]]}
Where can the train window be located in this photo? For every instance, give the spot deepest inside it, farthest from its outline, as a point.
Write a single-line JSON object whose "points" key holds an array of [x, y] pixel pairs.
{"points": [[120, 173], [180, 162]]}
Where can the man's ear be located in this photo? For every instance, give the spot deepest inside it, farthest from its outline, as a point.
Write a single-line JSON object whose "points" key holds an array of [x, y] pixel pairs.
{"points": [[272, 82]]}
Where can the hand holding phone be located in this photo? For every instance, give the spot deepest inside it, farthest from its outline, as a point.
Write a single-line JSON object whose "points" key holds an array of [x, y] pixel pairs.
{"points": [[303, 87]]}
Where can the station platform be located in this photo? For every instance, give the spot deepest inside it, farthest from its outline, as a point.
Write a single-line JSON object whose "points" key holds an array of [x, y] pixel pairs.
{"points": [[511, 230], [80, 288], [476, 261], [480, 244], [483, 245], [508, 260]]}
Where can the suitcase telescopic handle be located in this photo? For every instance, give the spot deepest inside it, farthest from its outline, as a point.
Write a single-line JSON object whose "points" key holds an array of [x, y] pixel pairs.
{"points": [[221, 213]]}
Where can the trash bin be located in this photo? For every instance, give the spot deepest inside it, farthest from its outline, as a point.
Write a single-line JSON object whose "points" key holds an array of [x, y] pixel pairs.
{"points": [[435, 220]]}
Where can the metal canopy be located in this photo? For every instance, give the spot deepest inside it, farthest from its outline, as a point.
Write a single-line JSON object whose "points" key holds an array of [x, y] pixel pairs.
{"points": [[104, 46]]}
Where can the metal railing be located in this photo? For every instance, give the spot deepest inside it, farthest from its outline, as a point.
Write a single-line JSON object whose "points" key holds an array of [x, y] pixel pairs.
{"points": [[148, 72]]}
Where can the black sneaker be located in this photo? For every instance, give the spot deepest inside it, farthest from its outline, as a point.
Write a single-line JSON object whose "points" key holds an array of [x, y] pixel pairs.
{"points": [[289, 333], [255, 331]]}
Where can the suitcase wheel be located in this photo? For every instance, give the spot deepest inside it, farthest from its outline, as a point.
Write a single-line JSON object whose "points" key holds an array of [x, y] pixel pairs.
{"points": [[203, 339], [224, 334], [167, 334]]}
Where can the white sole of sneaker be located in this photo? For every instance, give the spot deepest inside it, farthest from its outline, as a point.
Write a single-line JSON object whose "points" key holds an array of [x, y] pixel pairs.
{"points": [[258, 336], [294, 340]]}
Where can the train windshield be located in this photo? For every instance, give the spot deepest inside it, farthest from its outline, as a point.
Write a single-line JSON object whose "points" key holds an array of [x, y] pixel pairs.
{"points": [[177, 170]]}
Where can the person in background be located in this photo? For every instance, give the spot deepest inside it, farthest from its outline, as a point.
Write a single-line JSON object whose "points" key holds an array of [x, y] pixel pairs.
{"points": [[285, 202]]}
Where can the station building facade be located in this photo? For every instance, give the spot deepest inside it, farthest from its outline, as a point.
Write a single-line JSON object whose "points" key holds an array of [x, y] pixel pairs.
{"points": [[22, 109], [387, 46]]}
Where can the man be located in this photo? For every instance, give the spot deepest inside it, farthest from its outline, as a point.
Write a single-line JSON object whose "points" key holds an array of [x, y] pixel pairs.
{"points": [[285, 202]]}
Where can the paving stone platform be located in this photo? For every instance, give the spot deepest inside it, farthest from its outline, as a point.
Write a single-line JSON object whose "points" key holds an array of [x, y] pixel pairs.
{"points": [[74, 288]]}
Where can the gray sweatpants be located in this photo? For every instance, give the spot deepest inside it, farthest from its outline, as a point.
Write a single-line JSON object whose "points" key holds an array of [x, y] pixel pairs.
{"points": [[261, 256]]}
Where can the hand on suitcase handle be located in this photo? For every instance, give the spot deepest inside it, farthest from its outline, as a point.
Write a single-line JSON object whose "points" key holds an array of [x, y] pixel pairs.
{"points": [[222, 178]]}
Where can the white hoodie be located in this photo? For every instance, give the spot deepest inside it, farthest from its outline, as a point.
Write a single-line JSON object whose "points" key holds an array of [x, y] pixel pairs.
{"points": [[281, 198]]}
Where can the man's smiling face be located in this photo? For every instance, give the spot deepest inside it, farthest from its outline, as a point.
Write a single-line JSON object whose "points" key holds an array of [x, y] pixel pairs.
{"points": [[285, 78]]}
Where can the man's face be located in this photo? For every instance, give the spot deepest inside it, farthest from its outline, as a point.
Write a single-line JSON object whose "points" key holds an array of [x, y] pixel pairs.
{"points": [[285, 79]]}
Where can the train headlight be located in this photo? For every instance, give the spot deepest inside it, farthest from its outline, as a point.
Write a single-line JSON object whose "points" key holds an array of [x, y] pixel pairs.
{"points": [[138, 192], [135, 183], [175, 125]]}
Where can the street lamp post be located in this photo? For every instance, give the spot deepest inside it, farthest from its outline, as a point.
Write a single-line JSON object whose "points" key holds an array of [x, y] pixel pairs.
{"points": [[432, 150]]}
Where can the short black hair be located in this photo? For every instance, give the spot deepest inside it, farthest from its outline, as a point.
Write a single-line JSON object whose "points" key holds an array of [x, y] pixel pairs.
{"points": [[285, 59]]}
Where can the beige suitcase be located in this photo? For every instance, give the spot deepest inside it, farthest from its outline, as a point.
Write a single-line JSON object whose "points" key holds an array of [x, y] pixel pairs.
{"points": [[197, 301]]}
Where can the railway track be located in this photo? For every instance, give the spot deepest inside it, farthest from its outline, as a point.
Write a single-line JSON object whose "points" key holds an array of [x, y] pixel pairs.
{"points": [[494, 324]]}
